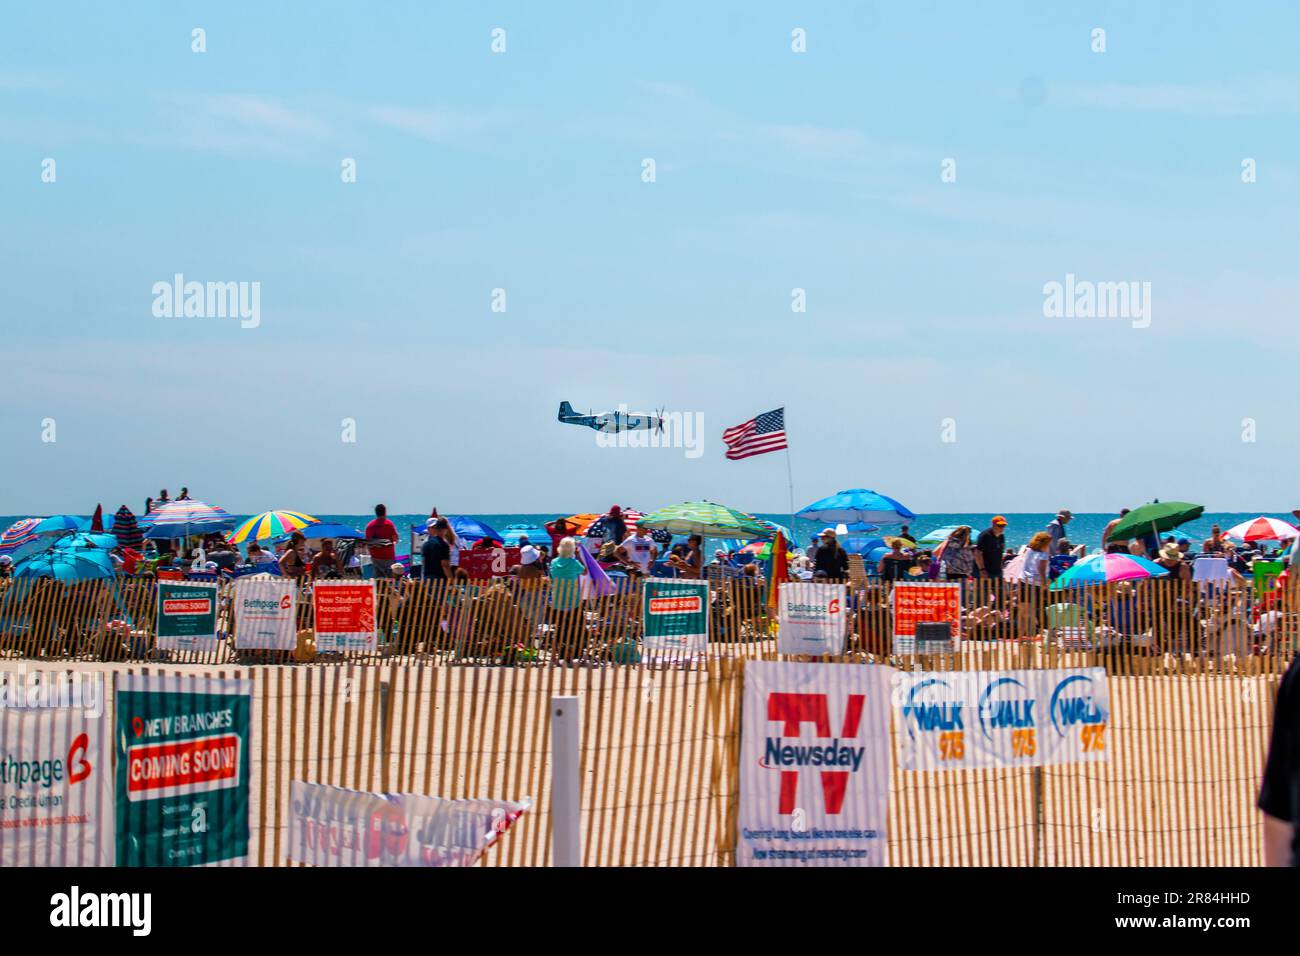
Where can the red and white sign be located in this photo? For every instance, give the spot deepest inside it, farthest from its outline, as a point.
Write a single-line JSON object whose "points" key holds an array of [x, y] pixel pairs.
{"points": [[178, 767], [344, 615], [183, 606], [676, 605], [485, 563], [932, 602], [815, 749]]}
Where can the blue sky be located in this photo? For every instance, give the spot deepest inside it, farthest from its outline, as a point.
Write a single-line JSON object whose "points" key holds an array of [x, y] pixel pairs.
{"points": [[522, 171]]}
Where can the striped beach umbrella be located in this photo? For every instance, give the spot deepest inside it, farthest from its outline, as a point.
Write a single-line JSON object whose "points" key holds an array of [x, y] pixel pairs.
{"points": [[705, 518], [1263, 529], [177, 519], [271, 524], [21, 538], [127, 529]]}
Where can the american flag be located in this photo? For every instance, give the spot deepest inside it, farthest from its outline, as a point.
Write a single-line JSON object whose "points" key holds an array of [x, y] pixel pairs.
{"points": [[757, 436]]}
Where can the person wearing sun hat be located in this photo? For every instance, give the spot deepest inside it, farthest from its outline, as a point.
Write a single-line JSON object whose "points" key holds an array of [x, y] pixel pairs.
{"points": [[989, 547]]}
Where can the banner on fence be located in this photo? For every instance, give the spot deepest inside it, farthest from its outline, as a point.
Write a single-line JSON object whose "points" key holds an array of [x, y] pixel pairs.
{"points": [[182, 769], [962, 720], [812, 618], [187, 616], [934, 602], [344, 615], [675, 615], [484, 563], [814, 787], [56, 798], [266, 614], [333, 826]]}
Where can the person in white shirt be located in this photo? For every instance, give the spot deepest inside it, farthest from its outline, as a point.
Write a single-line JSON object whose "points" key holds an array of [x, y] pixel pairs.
{"points": [[640, 549]]}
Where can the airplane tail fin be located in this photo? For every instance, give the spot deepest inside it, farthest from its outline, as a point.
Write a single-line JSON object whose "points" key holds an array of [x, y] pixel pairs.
{"points": [[566, 410]]}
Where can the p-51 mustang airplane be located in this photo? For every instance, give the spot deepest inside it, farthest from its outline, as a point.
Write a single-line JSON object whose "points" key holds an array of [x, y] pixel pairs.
{"points": [[612, 422]]}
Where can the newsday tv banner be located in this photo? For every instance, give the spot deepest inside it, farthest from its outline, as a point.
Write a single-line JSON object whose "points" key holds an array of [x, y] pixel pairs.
{"points": [[815, 748], [961, 720]]}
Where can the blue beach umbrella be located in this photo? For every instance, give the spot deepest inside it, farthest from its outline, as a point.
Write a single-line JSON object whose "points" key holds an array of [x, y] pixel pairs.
{"points": [[57, 524], [68, 566], [467, 528], [857, 504]]}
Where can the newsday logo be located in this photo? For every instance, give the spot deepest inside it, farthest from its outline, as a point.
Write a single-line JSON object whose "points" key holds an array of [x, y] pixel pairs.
{"points": [[835, 757]]}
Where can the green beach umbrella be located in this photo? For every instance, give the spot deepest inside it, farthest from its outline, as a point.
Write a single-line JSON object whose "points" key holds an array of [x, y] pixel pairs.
{"points": [[705, 518], [1154, 518]]}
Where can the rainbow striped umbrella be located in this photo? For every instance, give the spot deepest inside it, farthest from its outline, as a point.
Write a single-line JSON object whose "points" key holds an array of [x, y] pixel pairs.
{"points": [[271, 524]]}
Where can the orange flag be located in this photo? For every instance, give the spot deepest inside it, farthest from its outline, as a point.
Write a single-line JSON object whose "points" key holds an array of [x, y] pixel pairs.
{"points": [[780, 573]]}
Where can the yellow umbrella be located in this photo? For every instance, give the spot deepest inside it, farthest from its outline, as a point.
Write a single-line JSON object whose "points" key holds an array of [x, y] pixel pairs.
{"points": [[271, 524]]}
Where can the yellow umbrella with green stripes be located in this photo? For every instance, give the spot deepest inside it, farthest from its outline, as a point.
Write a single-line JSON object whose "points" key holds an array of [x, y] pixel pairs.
{"points": [[271, 524]]}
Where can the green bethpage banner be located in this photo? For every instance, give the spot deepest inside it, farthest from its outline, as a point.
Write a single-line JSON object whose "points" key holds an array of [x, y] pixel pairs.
{"points": [[182, 769], [676, 615], [187, 616]]}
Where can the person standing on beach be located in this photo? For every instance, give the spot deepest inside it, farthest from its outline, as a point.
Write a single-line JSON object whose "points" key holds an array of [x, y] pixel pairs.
{"points": [[436, 553], [615, 527], [1214, 544], [1110, 526], [641, 549], [1279, 792], [906, 534], [1056, 528], [831, 559], [381, 529], [989, 547]]}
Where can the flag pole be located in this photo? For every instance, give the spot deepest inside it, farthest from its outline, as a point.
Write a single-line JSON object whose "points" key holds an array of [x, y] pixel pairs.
{"points": [[790, 475]]}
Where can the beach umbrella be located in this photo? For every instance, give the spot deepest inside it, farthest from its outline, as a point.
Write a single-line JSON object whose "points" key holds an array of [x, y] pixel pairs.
{"points": [[325, 529], [600, 526], [68, 566], [466, 528], [705, 518], [938, 536], [1107, 569], [97, 520], [271, 524], [177, 519], [126, 529], [57, 524], [863, 545], [1154, 518], [1263, 529], [21, 539], [857, 504], [84, 539]]}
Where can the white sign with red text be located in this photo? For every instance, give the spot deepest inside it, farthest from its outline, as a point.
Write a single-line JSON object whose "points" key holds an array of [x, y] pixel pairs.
{"points": [[334, 826], [56, 791], [815, 750], [812, 618], [266, 614]]}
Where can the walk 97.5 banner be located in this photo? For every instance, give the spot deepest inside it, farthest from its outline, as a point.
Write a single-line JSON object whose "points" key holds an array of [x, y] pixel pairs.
{"points": [[962, 720], [812, 618], [182, 769], [333, 826], [814, 788], [56, 797]]}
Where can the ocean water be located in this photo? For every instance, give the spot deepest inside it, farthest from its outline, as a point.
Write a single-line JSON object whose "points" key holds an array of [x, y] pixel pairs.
{"points": [[1084, 529]]}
